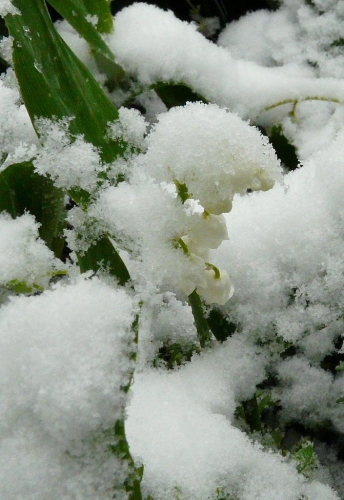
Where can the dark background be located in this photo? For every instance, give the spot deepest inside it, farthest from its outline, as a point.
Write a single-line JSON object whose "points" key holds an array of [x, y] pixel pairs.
{"points": [[225, 10]]}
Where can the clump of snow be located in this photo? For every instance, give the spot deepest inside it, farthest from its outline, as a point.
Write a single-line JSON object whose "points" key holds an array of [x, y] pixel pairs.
{"points": [[267, 38], [144, 35], [179, 426], [24, 257], [285, 250], [18, 141], [69, 163], [302, 35], [7, 7], [65, 358], [213, 152], [130, 127], [147, 219]]}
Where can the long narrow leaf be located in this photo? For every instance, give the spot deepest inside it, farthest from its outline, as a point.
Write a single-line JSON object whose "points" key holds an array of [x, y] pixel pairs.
{"points": [[90, 18], [52, 80], [80, 16], [55, 84]]}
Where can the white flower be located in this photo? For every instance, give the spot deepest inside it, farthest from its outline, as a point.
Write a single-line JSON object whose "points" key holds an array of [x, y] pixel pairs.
{"points": [[211, 151], [218, 289], [196, 277], [209, 231], [196, 249]]}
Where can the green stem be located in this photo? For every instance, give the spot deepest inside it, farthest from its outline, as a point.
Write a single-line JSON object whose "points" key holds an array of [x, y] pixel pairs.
{"points": [[215, 269], [296, 101], [203, 331], [121, 449], [132, 484]]}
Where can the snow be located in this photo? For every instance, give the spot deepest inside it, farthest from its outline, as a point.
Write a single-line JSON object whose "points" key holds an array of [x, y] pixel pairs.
{"points": [[67, 352], [64, 358], [24, 257], [144, 35], [69, 163], [7, 7], [213, 152]]}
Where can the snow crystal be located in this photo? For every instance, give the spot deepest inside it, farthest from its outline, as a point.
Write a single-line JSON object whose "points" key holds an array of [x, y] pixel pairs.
{"points": [[130, 127], [306, 393], [18, 140]]}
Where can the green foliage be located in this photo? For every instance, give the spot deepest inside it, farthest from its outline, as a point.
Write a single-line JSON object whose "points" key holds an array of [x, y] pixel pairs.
{"points": [[90, 19], [305, 457], [102, 255], [175, 354], [43, 61], [203, 331], [220, 324], [22, 190], [285, 151]]}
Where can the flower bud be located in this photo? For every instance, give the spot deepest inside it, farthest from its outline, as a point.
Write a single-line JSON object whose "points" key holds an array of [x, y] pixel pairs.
{"points": [[209, 231], [195, 277], [218, 290]]}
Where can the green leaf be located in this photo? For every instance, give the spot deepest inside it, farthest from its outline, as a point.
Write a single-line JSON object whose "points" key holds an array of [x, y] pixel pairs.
{"points": [[220, 324], [22, 190], [176, 94], [305, 457], [103, 255], [340, 367], [53, 82], [121, 450], [19, 287], [338, 43], [285, 151], [79, 15]]}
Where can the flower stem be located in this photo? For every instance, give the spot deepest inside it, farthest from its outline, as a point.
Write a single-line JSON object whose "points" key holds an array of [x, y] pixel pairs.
{"points": [[203, 331]]}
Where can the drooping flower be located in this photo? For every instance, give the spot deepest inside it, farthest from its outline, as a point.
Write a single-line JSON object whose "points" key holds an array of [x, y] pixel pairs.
{"points": [[213, 152]]}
